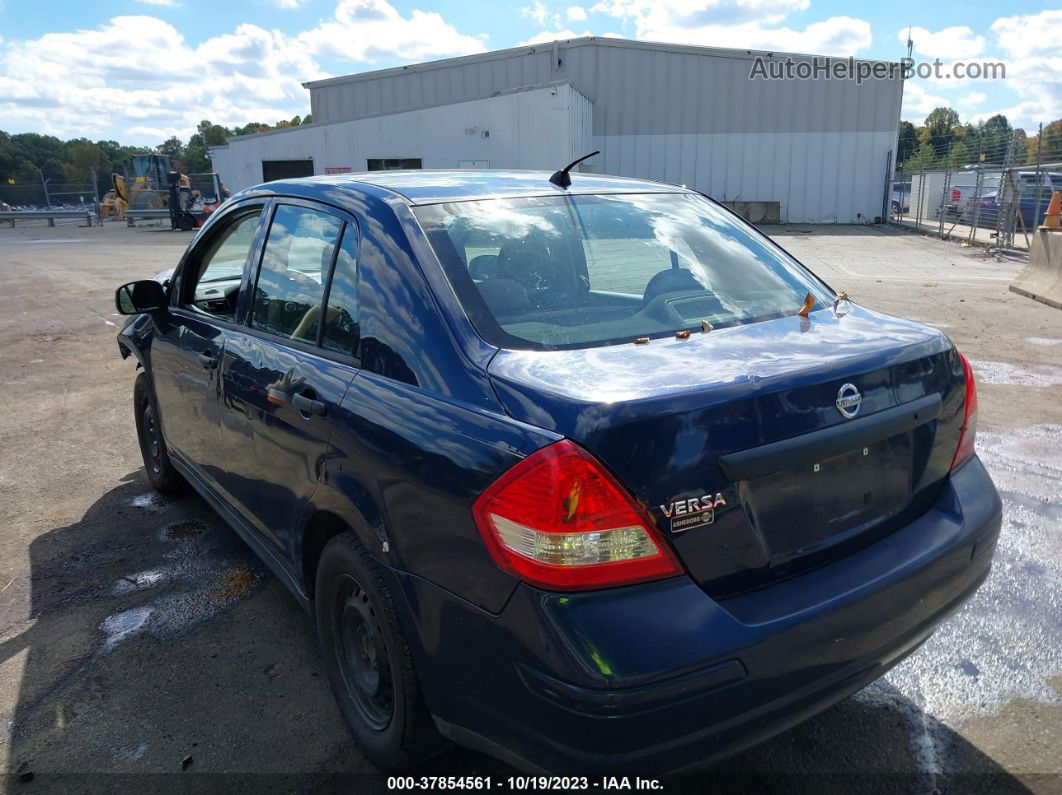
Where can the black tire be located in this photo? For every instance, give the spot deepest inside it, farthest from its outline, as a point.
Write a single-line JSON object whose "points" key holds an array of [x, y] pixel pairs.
{"points": [[163, 477], [368, 660]]}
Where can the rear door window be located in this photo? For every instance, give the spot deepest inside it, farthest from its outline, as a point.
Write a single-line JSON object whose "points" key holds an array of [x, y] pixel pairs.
{"points": [[295, 265], [340, 333]]}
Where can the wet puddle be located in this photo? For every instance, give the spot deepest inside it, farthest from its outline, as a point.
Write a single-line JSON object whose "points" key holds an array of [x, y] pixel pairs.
{"points": [[120, 626], [203, 569]]}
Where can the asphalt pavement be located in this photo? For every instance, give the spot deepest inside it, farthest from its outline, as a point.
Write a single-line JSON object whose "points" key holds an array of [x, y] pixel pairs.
{"points": [[139, 637]]}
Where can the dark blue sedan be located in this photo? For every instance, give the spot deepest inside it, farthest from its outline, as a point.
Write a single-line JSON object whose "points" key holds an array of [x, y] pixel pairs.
{"points": [[591, 478]]}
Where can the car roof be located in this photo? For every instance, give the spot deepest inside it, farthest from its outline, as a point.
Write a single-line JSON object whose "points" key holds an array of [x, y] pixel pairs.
{"points": [[433, 187]]}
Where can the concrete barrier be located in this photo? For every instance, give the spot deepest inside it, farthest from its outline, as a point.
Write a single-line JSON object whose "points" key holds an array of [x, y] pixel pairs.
{"points": [[1042, 277]]}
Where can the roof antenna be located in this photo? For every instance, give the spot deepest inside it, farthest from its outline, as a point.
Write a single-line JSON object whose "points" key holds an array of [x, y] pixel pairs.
{"points": [[561, 178]]}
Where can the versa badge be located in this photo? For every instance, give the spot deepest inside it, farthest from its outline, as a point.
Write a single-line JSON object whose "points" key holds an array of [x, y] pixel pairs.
{"points": [[693, 512]]}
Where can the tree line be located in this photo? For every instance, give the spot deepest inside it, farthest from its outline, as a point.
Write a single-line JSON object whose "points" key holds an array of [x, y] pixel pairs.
{"points": [[27, 157], [943, 141]]}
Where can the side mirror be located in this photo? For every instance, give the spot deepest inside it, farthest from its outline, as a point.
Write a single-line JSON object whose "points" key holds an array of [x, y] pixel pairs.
{"points": [[140, 297]]}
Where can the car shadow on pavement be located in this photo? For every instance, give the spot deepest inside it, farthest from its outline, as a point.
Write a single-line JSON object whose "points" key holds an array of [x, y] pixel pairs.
{"points": [[158, 644]]}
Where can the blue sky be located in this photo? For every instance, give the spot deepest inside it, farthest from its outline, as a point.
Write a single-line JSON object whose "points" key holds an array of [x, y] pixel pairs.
{"points": [[141, 70]]}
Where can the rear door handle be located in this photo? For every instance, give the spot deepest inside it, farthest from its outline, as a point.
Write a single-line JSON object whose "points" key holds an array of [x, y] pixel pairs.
{"points": [[308, 405], [209, 362]]}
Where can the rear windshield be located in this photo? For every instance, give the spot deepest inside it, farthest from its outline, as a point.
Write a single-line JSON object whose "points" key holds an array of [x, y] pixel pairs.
{"points": [[581, 271]]}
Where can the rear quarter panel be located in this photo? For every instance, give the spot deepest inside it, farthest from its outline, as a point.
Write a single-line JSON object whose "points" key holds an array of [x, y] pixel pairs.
{"points": [[407, 465]]}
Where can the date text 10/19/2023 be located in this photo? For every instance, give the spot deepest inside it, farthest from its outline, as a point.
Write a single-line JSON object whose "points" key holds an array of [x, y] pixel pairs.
{"points": [[523, 783]]}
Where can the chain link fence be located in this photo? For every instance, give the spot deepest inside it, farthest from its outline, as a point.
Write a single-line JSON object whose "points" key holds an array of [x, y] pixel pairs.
{"points": [[993, 194], [50, 196], [43, 201], [33, 202]]}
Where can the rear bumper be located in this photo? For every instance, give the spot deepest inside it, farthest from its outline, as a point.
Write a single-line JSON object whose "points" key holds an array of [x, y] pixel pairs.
{"points": [[660, 677]]}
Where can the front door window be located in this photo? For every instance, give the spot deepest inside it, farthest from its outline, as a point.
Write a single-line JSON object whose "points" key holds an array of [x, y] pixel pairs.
{"points": [[216, 275]]}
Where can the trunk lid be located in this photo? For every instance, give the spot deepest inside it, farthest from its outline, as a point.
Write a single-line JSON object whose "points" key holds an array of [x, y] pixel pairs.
{"points": [[733, 440]]}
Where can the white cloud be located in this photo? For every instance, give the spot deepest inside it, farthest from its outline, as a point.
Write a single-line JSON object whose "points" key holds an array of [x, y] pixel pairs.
{"points": [[553, 35], [1030, 34], [749, 24], [138, 75], [575, 13], [137, 79], [956, 42], [159, 2], [837, 36], [1033, 44], [698, 13], [972, 99], [917, 102], [287, 5], [539, 13], [367, 30]]}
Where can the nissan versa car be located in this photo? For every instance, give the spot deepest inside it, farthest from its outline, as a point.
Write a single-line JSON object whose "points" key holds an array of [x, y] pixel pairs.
{"points": [[593, 477]]}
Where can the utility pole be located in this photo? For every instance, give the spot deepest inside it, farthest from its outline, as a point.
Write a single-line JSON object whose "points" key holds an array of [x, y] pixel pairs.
{"points": [[96, 198], [44, 184]]}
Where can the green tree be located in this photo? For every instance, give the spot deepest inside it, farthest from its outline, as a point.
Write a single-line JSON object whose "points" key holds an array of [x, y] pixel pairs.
{"points": [[906, 142], [83, 158], [959, 155], [1049, 143], [172, 147], [45, 152], [940, 130], [994, 137], [8, 158], [196, 153], [250, 128], [923, 159]]}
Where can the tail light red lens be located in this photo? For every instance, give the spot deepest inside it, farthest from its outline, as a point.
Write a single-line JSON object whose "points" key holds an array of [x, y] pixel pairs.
{"points": [[560, 521], [969, 422]]}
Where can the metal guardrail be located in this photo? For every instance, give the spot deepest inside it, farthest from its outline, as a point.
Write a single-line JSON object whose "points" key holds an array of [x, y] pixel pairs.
{"points": [[50, 215], [132, 215]]}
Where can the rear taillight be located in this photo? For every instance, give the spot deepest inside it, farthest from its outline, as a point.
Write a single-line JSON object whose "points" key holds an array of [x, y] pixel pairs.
{"points": [[955, 195], [559, 520], [968, 433]]}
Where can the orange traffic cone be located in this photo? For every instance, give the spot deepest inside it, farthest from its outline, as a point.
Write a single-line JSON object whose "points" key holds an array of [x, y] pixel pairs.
{"points": [[1053, 217]]}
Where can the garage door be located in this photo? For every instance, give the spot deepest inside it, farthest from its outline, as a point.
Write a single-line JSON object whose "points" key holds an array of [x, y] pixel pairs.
{"points": [[286, 169]]}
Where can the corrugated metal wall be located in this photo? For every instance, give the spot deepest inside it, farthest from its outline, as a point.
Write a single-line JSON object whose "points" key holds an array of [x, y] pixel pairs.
{"points": [[531, 128], [680, 114]]}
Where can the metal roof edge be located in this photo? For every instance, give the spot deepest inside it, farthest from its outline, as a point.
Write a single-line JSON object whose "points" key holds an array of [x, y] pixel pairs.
{"points": [[397, 111], [582, 41]]}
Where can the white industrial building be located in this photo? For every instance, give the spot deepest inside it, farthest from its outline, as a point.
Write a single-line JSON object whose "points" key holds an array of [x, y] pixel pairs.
{"points": [[799, 151]]}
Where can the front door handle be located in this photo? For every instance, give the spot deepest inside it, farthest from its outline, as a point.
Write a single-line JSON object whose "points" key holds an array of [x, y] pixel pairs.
{"points": [[209, 362], [308, 405]]}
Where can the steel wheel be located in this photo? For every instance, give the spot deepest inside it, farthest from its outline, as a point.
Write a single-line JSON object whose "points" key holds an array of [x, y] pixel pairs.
{"points": [[362, 653], [151, 441], [164, 478]]}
